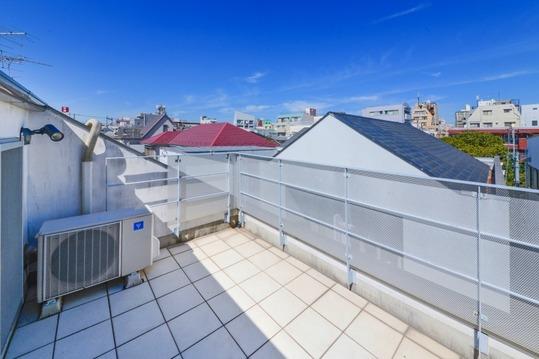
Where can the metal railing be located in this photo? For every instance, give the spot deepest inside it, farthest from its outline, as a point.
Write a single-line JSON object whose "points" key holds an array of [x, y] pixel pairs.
{"points": [[183, 191], [465, 248], [468, 249]]}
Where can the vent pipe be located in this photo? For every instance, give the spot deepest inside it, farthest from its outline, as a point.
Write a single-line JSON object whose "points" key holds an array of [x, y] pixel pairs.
{"points": [[87, 168]]}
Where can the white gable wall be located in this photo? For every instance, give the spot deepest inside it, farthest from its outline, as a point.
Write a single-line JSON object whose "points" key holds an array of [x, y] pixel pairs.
{"points": [[331, 142]]}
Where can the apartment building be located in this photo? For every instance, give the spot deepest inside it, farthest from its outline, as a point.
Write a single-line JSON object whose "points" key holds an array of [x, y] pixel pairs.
{"points": [[495, 114], [244, 120], [289, 124], [461, 116], [529, 115], [425, 117], [397, 113]]}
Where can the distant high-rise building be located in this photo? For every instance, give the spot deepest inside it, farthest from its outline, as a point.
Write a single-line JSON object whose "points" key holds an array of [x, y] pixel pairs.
{"points": [[396, 113], [311, 111]]}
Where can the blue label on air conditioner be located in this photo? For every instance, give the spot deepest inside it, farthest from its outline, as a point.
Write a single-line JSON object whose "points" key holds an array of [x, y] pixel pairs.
{"points": [[137, 226]]}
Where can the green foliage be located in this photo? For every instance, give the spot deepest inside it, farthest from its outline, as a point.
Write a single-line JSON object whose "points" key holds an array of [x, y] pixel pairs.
{"points": [[478, 144], [509, 168], [486, 145]]}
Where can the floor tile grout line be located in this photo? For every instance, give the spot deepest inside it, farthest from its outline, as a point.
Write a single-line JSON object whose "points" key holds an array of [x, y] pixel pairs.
{"points": [[281, 286], [111, 323], [405, 335], [219, 319], [162, 274], [397, 347], [358, 314], [33, 350], [328, 288], [165, 319], [343, 332], [295, 317], [81, 330], [138, 336], [63, 310], [56, 335]]}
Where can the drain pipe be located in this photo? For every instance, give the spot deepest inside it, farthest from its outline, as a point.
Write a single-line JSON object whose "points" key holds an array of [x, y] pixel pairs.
{"points": [[87, 167]]}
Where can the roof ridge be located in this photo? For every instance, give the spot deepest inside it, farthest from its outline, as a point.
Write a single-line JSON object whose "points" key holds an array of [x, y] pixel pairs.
{"points": [[218, 134]]}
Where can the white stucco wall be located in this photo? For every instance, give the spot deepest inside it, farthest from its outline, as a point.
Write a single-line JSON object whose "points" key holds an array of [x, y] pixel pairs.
{"points": [[52, 170], [333, 143]]}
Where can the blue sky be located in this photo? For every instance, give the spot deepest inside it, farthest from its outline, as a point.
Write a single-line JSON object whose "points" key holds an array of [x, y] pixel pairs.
{"points": [[119, 58]]}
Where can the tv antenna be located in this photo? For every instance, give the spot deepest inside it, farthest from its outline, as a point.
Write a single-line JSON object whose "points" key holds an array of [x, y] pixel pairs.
{"points": [[6, 60]]}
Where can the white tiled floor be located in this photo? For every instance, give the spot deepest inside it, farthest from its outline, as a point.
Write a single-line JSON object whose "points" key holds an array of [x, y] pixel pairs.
{"points": [[226, 295]]}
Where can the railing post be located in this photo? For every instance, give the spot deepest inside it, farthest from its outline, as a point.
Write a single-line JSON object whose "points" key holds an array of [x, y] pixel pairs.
{"points": [[347, 248], [178, 197], [241, 216], [481, 339], [106, 184], [227, 218], [282, 238]]}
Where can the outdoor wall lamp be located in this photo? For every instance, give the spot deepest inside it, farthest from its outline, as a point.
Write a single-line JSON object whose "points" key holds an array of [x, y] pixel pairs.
{"points": [[50, 130]]}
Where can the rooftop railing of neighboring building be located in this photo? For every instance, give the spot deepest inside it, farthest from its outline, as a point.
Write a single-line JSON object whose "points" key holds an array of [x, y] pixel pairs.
{"points": [[467, 249]]}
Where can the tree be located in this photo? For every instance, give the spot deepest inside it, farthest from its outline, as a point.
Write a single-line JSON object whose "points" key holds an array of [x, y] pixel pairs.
{"points": [[478, 144], [486, 145]]}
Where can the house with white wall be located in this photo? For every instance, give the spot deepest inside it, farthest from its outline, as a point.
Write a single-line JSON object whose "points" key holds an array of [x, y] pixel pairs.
{"points": [[42, 179], [340, 139]]}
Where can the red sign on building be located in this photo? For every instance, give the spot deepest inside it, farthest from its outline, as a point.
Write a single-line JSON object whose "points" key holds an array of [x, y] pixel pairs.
{"points": [[65, 109]]}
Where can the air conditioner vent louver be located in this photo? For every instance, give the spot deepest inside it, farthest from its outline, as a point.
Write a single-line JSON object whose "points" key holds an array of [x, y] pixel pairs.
{"points": [[81, 259]]}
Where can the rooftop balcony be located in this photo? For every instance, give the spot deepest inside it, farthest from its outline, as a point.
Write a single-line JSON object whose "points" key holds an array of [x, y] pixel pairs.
{"points": [[224, 295], [330, 262]]}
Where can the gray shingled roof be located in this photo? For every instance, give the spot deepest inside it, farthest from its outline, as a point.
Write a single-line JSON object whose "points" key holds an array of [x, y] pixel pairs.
{"points": [[423, 151]]}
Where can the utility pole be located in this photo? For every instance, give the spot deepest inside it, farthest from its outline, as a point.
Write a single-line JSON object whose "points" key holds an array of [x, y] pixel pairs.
{"points": [[516, 160]]}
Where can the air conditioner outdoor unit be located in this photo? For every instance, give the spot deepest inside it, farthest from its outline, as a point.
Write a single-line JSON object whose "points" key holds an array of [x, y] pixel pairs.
{"points": [[82, 251]]}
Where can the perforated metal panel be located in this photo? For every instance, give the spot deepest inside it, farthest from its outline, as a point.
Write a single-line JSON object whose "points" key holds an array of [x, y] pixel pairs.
{"points": [[468, 249], [80, 259]]}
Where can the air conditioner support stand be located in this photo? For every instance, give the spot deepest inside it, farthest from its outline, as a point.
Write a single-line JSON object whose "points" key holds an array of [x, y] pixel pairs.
{"points": [[51, 307], [133, 279]]}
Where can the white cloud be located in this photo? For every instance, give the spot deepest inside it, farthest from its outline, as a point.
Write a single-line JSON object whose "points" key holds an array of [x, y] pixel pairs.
{"points": [[300, 105], [254, 78], [361, 99], [255, 108], [101, 92], [402, 13], [506, 75], [436, 74]]}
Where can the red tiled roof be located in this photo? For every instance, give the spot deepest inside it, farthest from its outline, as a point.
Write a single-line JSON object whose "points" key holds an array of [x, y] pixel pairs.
{"points": [[210, 135]]}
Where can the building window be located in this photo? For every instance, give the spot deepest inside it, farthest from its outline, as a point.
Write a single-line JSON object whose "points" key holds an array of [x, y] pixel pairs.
{"points": [[508, 124], [487, 124], [506, 110], [534, 123], [165, 128], [487, 112]]}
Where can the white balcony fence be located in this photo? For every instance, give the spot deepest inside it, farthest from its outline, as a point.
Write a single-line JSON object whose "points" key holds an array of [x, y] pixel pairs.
{"points": [[468, 249]]}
